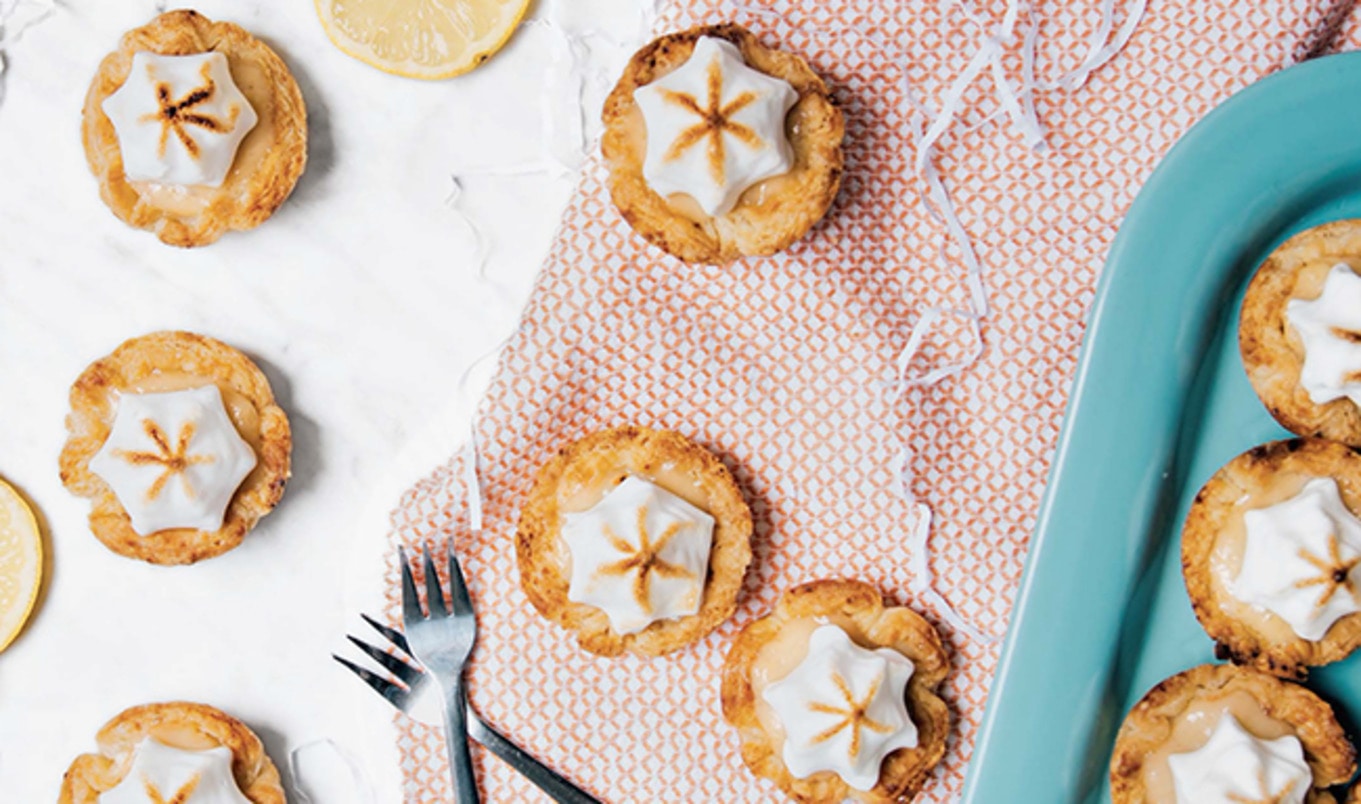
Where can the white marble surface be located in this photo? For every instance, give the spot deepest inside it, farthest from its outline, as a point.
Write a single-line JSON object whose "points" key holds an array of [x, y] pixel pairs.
{"points": [[362, 299]]}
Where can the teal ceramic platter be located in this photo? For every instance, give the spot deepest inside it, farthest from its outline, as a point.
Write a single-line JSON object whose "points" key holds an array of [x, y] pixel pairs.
{"points": [[1160, 402]]}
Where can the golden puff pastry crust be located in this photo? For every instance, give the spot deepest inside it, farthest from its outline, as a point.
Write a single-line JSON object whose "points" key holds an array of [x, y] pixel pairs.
{"points": [[1149, 725], [191, 726], [140, 363], [1272, 351], [771, 214], [268, 162], [1224, 498], [904, 771], [603, 460]]}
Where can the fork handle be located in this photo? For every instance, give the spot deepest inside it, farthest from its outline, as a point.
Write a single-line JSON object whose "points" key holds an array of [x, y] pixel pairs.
{"points": [[456, 741], [544, 777]]}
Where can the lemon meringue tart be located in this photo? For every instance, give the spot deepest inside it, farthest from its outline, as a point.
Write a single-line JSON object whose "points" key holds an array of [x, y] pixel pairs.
{"points": [[834, 695], [1299, 332], [1270, 554], [1226, 733], [719, 146], [194, 128], [177, 440], [186, 753], [634, 540]]}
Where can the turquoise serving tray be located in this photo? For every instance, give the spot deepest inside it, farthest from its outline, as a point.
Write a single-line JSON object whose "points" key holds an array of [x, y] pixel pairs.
{"points": [[1159, 403]]}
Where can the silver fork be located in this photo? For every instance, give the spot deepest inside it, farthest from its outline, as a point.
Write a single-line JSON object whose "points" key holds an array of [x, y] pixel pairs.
{"points": [[413, 678], [442, 643]]}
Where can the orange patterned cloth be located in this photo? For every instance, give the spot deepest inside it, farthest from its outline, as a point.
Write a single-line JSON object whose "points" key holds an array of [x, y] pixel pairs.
{"points": [[786, 368]]}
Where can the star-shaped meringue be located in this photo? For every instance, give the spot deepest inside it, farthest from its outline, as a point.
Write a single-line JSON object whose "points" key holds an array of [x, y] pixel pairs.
{"points": [[179, 119], [714, 127], [641, 554], [174, 459], [1300, 559], [161, 774], [843, 708], [1329, 327], [1235, 767]]}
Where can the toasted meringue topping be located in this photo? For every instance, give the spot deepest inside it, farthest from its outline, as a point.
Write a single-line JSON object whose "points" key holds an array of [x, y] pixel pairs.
{"points": [[1235, 767], [174, 459], [1330, 329], [714, 127], [179, 119], [843, 708], [1300, 558], [640, 555], [161, 774]]}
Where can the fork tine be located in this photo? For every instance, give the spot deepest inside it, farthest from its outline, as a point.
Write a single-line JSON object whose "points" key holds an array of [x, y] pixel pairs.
{"points": [[395, 695], [411, 602], [390, 634], [458, 586], [404, 672], [434, 593]]}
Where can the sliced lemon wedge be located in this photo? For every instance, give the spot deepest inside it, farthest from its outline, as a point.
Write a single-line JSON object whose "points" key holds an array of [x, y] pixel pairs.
{"points": [[421, 38], [21, 563]]}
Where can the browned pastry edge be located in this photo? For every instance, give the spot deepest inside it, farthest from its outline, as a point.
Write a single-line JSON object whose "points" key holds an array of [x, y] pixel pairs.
{"points": [[1326, 748], [1273, 354], [88, 425], [92, 774], [904, 771], [1213, 506], [245, 200], [815, 128], [611, 455]]}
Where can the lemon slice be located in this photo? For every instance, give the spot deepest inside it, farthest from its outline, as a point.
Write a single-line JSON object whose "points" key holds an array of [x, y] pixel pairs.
{"points": [[21, 563], [421, 38]]}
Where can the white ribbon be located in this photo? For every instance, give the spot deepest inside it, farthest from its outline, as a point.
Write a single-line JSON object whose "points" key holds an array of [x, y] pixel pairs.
{"points": [[1032, 130], [472, 480], [1018, 105], [469, 395], [926, 129], [755, 11], [941, 208], [1099, 50], [481, 248], [923, 581]]}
